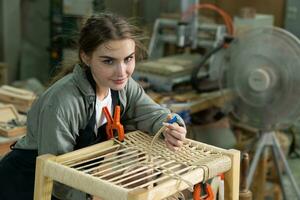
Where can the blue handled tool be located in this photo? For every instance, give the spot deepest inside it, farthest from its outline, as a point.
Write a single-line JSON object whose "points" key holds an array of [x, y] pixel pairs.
{"points": [[173, 120]]}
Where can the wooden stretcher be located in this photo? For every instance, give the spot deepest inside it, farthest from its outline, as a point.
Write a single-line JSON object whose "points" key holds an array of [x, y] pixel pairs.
{"points": [[132, 170]]}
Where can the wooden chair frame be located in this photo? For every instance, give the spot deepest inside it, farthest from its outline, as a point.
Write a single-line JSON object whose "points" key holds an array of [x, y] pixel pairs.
{"points": [[51, 168]]}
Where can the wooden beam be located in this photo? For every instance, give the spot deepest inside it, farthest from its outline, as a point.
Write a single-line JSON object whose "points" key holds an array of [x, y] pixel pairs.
{"points": [[232, 177], [43, 185]]}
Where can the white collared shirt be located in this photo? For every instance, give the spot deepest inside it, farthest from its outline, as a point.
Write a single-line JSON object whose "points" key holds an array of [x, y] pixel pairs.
{"points": [[100, 117]]}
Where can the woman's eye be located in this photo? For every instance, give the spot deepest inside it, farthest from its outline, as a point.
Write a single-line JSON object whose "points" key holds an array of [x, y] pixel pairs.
{"points": [[127, 60], [108, 62]]}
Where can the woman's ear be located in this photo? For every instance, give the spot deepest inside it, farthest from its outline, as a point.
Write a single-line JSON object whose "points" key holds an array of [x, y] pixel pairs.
{"points": [[85, 58]]}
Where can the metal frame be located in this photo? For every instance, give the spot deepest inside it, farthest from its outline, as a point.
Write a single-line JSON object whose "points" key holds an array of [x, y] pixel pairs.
{"points": [[268, 139]]}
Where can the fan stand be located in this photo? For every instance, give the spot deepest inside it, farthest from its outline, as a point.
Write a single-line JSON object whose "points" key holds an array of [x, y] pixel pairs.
{"points": [[268, 139]]}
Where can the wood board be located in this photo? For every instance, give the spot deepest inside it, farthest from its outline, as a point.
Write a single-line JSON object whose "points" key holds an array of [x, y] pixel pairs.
{"points": [[193, 102], [5, 143], [20, 98]]}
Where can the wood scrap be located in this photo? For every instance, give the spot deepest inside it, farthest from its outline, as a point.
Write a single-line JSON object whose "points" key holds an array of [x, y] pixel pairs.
{"points": [[20, 98], [194, 102], [5, 143], [11, 123]]}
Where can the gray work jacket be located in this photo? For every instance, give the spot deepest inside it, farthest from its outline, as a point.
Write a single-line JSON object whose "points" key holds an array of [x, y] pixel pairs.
{"points": [[54, 121]]}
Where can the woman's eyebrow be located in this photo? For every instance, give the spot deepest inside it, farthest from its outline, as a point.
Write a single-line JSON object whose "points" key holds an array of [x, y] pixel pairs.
{"points": [[130, 55], [107, 57], [112, 58]]}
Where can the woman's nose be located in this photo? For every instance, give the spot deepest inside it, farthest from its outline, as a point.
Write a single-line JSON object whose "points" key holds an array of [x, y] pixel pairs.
{"points": [[121, 68]]}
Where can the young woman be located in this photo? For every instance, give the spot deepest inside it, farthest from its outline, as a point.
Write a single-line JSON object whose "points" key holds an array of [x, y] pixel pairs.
{"points": [[68, 116]]}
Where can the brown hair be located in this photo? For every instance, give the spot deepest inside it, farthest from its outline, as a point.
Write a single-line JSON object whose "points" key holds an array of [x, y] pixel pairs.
{"points": [[99, 29]]}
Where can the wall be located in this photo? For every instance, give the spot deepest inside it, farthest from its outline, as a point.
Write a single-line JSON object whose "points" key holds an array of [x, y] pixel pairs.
{"points": [[10, 36], [1, 31], [24, 38], [147, 11], [34, 55], [293, 17], [124, 7]]}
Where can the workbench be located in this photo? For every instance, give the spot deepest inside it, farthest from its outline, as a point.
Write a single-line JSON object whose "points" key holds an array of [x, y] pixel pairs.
{"points": [[5, 143], [192, 101]]}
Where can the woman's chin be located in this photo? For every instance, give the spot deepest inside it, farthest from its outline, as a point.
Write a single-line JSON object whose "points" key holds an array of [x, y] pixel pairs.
{"points": [[118, 86]]}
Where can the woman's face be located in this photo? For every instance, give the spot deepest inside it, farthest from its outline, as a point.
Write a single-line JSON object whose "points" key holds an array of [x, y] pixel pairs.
{"points": [[112, 63]]}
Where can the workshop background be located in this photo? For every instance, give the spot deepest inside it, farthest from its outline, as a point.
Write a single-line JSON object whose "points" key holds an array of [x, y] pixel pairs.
{"points": [[184, 70]]}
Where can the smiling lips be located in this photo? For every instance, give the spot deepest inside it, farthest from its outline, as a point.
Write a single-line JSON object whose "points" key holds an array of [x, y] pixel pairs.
{"points": [[119, 81]]}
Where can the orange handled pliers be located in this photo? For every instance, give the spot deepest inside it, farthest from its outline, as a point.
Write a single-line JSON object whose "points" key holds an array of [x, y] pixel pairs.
{"points": [[114, 123]]}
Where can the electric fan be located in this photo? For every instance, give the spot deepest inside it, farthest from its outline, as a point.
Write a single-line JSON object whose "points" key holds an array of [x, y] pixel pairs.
{"points": [[262, 70]]}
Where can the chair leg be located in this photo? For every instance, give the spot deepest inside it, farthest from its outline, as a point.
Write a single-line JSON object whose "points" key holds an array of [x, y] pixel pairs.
{"points": [[43, 184]]}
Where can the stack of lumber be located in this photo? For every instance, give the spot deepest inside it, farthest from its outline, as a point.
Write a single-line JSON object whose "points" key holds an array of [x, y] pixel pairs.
{"points": [[20, 98]]}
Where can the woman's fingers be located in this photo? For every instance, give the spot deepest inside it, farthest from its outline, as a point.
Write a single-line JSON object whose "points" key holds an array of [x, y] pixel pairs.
{"points": [[173, 140], [176, 131], [174, 135], [171, 147]]}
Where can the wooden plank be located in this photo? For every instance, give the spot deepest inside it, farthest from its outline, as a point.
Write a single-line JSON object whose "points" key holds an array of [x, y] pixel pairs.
{"points": [[84, 182], [5, 143], [43, 184], [84, 151], [167, 188], [171, 66], [194, 102], [8, 112], [232, 177], [13, 132], [15, 95], [18, 91], [216, 100], [20, 98]]}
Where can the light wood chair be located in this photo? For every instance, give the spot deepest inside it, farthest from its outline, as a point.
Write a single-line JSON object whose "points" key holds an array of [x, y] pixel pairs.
{"points": [[131, 170]]}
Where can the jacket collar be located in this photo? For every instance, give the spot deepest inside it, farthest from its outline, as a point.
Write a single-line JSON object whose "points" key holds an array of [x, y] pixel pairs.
{"points": [[85, 82], [87, 85]]}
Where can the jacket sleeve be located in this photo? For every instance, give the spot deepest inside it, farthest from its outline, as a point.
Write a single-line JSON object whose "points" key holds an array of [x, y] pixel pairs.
{"points": [[54, 132], [142, 112], [55, 137]]}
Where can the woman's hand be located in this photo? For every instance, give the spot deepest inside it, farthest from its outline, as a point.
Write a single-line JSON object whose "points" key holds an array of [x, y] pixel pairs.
{"points": [[174, 136]]}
